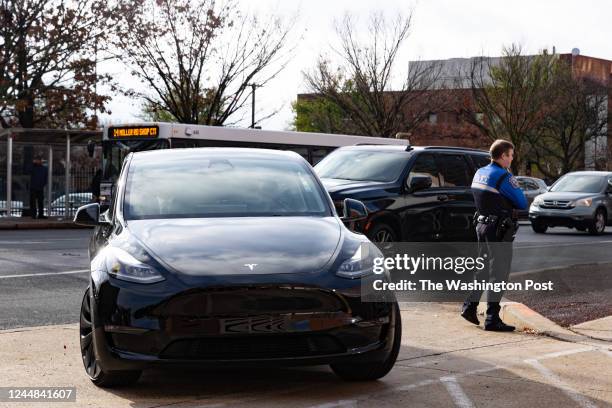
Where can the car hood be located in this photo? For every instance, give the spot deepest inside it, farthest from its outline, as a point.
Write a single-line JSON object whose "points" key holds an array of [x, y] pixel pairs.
{"points": [[566, 196], [234, 246], [334, 185]]}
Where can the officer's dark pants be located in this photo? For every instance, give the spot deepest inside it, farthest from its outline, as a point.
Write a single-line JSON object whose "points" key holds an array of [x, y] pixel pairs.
{"points": [[36, 203], [499, 255]]}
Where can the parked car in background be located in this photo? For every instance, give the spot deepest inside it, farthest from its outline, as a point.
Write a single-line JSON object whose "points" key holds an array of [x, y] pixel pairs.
{"points": [[75, 200], [532, 187], [581, 200], [412, 193], [16, 208]]}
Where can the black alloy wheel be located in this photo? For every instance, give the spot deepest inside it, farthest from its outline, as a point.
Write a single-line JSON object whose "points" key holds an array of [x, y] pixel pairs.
{"points": [[92, 366], [382, 233]]}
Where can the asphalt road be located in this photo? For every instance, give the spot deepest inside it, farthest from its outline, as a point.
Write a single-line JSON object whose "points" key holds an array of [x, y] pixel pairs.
{"points": [[43, 272]]}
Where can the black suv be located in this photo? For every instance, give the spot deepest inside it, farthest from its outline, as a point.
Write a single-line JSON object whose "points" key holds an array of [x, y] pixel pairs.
{"points": [[417, 194]]}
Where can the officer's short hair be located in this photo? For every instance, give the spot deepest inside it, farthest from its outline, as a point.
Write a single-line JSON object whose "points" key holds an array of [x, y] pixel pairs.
{"points": [[499, 147]]}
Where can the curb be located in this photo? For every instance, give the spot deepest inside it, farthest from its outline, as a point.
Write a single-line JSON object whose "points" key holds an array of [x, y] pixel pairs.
{"points": [[526, 319]]}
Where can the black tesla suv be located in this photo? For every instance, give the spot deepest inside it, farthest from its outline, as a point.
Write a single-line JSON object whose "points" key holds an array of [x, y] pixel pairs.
{"points": [[220, 256], [418, 194]]}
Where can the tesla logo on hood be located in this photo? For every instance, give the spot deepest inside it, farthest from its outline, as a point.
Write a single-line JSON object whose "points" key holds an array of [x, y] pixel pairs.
{"points": [[250, 266]]}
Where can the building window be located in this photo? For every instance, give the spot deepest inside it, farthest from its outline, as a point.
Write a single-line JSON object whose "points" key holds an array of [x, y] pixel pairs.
{"points": [[433, 118]]}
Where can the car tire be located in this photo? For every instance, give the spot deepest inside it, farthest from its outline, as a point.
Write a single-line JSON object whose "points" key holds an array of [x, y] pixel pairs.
{"points": [[598, 225], [376, 370], [382, 232], [539, 227], [93, 368]]}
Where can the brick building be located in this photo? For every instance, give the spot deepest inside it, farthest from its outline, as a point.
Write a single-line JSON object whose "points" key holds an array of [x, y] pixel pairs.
{"points": [[448, 127]]}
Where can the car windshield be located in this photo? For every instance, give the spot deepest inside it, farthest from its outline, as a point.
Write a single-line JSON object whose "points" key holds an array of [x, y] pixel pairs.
{"points": [[579, 183], [197, 186], [362, 165]]}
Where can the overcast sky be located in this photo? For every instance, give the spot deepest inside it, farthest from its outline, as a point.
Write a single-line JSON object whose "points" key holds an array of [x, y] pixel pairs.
{"points": [[440, 29]]}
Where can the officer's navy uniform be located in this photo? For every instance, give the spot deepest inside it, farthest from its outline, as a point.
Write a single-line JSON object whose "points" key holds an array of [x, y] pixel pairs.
{"points": [[496, 193]]}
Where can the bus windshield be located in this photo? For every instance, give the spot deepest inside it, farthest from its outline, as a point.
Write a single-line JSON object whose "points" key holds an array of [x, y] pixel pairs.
{"points": [[116, 150]]}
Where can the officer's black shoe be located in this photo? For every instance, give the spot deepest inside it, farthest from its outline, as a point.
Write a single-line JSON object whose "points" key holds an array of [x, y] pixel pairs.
{"points": [[499, 326], [469, 314]]}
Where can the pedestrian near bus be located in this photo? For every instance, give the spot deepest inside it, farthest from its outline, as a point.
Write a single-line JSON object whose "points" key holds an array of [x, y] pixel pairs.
{"points": [[496, 194], [38, 181]]}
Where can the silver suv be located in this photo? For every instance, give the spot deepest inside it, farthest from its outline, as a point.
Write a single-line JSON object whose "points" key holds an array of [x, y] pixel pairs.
{"points": [[581, 200]]}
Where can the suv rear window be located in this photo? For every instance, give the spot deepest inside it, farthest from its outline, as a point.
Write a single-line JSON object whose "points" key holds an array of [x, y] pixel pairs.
{"points": [[480, 160], [454, 170]]}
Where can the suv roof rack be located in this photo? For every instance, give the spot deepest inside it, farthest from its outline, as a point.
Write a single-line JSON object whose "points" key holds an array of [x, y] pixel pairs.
{"points": [[456, 148], [408, 147]]}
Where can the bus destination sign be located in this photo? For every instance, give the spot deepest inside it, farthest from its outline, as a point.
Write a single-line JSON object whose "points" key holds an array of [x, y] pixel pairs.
{"points": [[132, 132]]}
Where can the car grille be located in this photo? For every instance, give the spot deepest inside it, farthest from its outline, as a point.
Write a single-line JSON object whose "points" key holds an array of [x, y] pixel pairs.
{"points": [[252, 347], [245, 301], [558, 204]]}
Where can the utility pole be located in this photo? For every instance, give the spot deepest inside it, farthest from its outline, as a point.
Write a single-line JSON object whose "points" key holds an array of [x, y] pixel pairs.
{"points": [[253, 86]]}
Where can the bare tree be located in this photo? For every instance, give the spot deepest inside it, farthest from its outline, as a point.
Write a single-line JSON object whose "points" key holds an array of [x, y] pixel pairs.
{"points": [[362, 85], [198, 58], [576, 117], [510, 96]]}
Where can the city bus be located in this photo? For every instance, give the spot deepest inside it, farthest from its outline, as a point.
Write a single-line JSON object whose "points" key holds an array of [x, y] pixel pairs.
{"points": [[119, 140]]}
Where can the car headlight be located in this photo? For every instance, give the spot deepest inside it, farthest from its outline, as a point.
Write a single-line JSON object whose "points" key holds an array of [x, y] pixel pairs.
{"points": [[361, 263], [121, 265], [537, 201], [583, 202]]}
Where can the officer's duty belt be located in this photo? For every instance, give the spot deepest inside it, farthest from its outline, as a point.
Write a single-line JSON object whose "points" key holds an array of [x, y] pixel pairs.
{"points": [[487, 219]]}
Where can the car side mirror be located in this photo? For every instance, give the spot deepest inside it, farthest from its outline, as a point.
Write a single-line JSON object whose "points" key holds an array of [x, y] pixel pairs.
{"points": [[89, 215], [354, 210], [419, 183], [91, 148]]}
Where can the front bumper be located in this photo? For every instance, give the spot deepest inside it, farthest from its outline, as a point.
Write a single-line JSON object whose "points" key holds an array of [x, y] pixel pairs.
{"points": [[136, 326], [571, 217]]}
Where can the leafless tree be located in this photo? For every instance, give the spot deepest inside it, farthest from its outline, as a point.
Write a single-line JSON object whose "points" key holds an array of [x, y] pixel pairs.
{"points": [[361, 86], [510, 96], [576, 117], [48, 62], [197, 59]]}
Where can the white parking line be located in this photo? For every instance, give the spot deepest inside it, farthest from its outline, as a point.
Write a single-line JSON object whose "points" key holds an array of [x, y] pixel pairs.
{"points": [[456, 392], [559, 383], [29, 275], [565, 353]]}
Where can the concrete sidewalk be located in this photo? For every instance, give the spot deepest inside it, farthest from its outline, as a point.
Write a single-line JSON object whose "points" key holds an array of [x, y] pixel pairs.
{"points": [[444, 362], [525, 319], [600, 329], [13, 223]]}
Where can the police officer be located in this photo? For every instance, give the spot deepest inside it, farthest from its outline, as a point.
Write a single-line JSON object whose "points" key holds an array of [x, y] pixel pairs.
{"points": [[496, 193]]}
